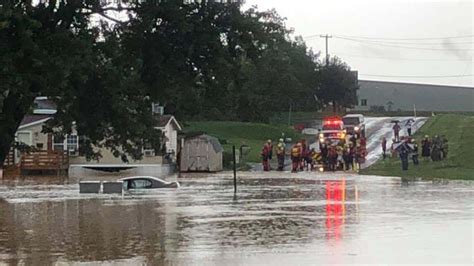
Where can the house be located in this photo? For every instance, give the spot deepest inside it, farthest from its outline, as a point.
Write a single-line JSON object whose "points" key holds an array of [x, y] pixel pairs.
{"points": [[202, 153], [55, 152], [394, 96], [169, 127]]}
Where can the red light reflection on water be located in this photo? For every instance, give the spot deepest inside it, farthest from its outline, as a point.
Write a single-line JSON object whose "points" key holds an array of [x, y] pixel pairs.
{"points": [[335, 210]]}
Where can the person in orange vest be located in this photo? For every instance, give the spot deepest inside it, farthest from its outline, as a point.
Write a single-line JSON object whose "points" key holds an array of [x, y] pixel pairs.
{"points": [[266, 155], [295, 157], [303, 152]]}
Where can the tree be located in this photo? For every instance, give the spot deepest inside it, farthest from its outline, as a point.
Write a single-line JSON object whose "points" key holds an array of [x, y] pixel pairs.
{"points": [[52, 49], [338, 85]]}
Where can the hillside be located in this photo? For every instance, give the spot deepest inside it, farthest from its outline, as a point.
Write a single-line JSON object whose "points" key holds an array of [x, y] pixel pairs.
{"points": [[459, 129]]}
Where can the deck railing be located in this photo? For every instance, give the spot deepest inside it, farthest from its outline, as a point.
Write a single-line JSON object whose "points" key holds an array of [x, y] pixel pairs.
{"points": [[44, 160]]}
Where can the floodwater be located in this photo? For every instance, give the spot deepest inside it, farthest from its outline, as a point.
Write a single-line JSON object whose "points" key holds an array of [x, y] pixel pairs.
{"points": [[275, 219]]}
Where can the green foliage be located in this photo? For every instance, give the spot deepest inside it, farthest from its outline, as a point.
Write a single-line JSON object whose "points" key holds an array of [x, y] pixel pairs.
{"points": [[202, 60], [253, 135], [338, 84], [459, 129]]}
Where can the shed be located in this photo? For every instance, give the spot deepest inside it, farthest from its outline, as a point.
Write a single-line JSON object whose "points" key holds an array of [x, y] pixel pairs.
{"points": [[202, 153]]}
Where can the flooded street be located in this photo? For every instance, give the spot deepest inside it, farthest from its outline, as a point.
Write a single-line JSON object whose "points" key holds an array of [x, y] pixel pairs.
{"points": [[278, 219]]}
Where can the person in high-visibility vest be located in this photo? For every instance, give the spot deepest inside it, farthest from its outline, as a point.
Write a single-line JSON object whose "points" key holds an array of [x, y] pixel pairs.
{"points": [[295, 157], [280, 152]]}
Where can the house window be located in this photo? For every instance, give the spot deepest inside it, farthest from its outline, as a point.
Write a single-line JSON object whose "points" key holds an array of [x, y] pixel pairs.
{"points": [[72, 143], [24, 137], [148, 149], [363, 102], [58, 143]]}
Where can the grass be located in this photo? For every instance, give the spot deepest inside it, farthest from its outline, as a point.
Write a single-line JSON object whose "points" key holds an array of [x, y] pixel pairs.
{"points": [[459, 129], [253, 135]]}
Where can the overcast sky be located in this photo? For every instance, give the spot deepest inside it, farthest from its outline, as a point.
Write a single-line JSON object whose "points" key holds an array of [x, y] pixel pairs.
{"points": [[376, 27]]}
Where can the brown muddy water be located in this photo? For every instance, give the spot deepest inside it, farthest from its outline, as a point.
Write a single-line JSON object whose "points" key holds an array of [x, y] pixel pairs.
{"points": [[275, 219]]}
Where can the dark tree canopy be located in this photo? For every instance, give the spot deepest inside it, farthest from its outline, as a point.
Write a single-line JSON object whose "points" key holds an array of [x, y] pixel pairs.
{"points": [[201, 60], [338, 84]]}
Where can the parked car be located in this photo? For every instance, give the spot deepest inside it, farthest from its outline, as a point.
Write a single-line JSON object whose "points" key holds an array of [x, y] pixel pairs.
{"points": [[146, 182], [354, 124]]}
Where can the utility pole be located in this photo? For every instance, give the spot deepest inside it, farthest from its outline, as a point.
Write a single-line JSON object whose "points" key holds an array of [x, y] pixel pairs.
{"points": [[327, 53]]}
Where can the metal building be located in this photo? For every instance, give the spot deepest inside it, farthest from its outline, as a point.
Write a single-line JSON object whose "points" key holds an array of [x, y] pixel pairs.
{"points": [[201, 153]]}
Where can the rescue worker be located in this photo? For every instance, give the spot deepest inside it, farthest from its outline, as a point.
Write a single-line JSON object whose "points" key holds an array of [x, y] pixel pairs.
{"points": [[309, 159], [295, 157], [266, 157], [426, 148], [444, 147], [384, 147], [353, 139], [270, 148], [340, 159], [280, 152], [396, 131], [316, 158], [323, 147], [332, 158], [348, 157], [304, 151], [414, 154]]}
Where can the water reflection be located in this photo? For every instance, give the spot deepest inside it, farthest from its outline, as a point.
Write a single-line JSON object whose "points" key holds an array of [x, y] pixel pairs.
{"points": [[202, 219]]}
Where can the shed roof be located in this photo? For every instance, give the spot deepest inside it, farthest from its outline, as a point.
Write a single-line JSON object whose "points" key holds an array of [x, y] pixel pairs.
{"points": [[216, 145]]}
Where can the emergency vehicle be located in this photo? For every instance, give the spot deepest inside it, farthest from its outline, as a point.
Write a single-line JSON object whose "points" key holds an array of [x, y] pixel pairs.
{"points": [[334, 135], [332, 130]]}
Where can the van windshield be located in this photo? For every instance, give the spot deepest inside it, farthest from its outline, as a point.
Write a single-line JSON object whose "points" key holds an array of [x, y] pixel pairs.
{"points": [[350, 120]]}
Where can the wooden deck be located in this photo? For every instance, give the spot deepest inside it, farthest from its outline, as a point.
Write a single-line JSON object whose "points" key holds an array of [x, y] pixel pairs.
{"points": [[43, 160]]}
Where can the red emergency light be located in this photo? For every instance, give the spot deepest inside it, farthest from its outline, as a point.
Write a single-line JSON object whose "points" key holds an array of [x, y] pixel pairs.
{"points": [[332, 121]]}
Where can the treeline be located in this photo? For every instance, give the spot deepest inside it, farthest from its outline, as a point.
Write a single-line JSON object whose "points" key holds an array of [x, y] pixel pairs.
{"points": [[104, 64]]}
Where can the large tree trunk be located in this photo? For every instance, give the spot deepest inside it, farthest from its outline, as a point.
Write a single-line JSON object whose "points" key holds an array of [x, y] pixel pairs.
{"points": [[14, 109]]}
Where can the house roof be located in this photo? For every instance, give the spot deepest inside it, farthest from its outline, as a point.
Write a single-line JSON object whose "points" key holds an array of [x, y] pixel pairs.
{"points": [[166, 119], [30, 120], [44, 103]]}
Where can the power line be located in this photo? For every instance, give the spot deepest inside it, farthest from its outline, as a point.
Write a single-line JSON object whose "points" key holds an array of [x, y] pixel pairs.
{"points": [[404, 59], [401, 76], [400, 46], [413, 43], [408, 39]]}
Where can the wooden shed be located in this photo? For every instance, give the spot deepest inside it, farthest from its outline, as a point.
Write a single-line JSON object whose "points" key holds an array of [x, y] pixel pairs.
{"points": [[202, 153]]}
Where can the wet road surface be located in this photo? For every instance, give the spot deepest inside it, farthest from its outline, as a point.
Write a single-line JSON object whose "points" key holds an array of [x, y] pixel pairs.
{"points": [[275, 219]]}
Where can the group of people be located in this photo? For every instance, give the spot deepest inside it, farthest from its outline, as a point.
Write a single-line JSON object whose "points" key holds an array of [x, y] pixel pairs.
{"points": [[406, 147], [437, 148], [344, 155]]}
